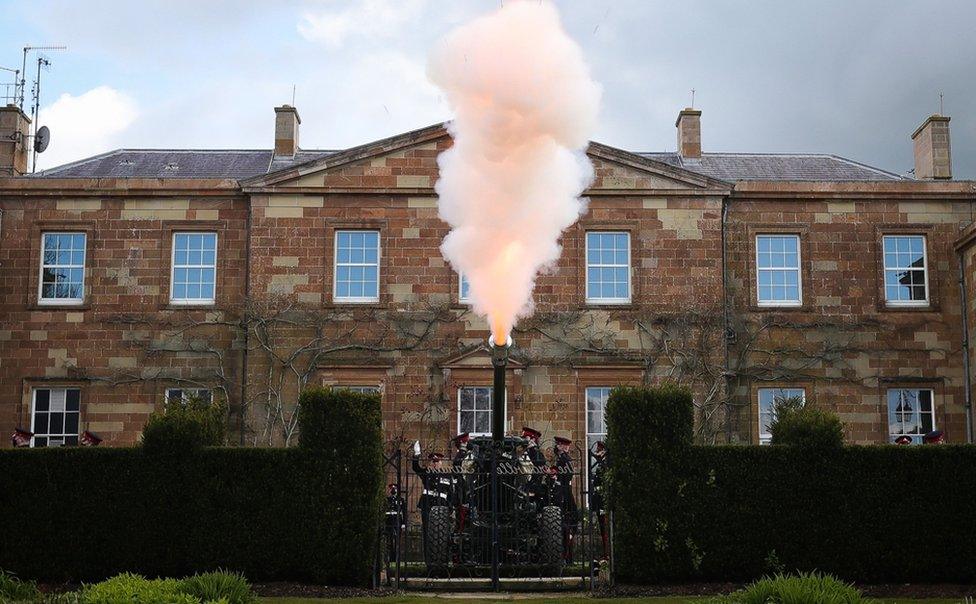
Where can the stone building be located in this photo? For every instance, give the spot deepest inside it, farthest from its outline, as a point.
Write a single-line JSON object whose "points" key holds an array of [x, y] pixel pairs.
{"points": [[139, 276]]}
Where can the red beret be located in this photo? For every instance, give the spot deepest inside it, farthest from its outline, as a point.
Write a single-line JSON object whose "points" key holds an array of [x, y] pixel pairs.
{"points": [[90, 439], [904, 439], [562, 441], [21, 437], [435, 456], [531, 433], [461, 438]]}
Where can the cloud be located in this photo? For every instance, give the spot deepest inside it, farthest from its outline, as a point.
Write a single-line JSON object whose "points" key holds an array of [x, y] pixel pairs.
{"points": [[85, 125], [384, 92], [366, 18]]}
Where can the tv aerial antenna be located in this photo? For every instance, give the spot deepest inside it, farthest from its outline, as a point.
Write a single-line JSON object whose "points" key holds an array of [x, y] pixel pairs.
{"points": [[40, 136], [10, 94]]}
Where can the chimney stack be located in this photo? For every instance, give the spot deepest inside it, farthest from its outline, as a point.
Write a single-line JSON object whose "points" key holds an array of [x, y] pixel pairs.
{"points": [[14, 141], [689, 133], [933, 158], [286, 130]]}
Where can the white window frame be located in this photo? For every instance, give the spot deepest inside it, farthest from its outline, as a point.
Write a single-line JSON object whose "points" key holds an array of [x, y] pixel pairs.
{"points": [[587, 266], [335, 267], [461, 297], [798, 269], [766, 437], [891, 437], [603, 413], [924, 269], [172, 271], [41, 300], [184, 391], [33, 410], [491, 392]]}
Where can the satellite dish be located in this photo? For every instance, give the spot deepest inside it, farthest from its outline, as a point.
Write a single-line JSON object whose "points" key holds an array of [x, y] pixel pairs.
{"points": [[41, 139]]}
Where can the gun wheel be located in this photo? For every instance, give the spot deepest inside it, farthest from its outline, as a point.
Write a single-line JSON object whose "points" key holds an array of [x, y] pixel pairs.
{"points": [[551, 536], [439, 536]]}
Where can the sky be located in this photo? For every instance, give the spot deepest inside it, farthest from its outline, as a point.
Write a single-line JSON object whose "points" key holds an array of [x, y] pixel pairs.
{"points": [[848, 77]]}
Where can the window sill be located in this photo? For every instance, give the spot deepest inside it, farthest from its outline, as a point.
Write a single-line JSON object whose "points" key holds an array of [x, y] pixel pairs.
{"points": [[782, 308], [888, 307], [86, 305], [608, 306], [350, 305], [178, 306]]}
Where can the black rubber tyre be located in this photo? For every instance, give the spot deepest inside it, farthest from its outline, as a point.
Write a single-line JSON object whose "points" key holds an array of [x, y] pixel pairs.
{"points": [[551, 536], [439, 524]]}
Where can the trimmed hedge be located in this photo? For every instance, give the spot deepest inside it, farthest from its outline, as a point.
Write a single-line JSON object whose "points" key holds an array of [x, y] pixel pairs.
{"points": [[303, 514], [803, 426], [722, 513], [185, 426]]}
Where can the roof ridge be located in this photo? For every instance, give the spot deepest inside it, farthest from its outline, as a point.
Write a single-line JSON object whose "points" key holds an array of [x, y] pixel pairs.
{"points": [[744, 153], [172, 150], [867, 166]]}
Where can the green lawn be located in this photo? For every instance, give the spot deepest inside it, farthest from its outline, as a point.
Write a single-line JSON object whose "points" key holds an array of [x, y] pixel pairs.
{"points": [[521, 599], [485, 600]]}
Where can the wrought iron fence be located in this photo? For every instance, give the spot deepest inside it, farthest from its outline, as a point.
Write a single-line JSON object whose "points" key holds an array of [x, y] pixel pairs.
{"points": [[494, 511]]}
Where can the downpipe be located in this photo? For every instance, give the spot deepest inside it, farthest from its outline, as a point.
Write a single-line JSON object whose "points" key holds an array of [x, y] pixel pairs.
{"points": [[967, 379]]}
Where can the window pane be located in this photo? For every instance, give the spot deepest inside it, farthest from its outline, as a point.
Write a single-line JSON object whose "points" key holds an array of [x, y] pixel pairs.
{"points": [[910, 412], [596, 400], [40, 423], [357, 265], [608, 266], [778, 269], [41, 398], [56, 425], [768, 398], [62, 266], [72, 397], [194, 266]]}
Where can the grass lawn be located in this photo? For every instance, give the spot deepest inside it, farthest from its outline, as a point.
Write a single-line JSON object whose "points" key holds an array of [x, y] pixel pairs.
{"points": [[522, 599], [445, 599]]}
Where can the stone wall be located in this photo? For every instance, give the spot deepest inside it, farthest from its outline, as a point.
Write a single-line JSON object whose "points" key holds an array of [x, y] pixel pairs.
{"points": [[844, 345], [419, 344], [122, 346]]}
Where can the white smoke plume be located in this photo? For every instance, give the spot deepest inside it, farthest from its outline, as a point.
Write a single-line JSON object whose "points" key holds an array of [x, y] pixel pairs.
{"points": [[524, 107]]}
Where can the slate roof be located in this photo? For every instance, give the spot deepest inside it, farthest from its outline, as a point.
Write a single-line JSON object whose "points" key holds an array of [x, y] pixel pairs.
{"points": [[775, 166], [236, 164], [242, 164]]}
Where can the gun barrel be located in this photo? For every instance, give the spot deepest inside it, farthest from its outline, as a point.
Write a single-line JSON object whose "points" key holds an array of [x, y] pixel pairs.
{"points": [[499, 361]]}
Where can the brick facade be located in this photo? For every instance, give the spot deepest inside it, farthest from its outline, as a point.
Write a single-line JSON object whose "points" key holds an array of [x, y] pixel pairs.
{"points": [[275, 326]]}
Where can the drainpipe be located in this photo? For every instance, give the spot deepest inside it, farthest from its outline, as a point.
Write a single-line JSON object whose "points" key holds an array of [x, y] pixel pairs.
{"points": [[244, 323], [965, 346], [726, 329]]}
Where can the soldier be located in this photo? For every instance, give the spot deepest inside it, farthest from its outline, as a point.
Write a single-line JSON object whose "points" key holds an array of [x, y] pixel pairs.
{"points": [[533, 451], [460, 443], [459, 500], [563, 492], [535, 488], [597, 501], [396, 517], [438, 485], [935, 437], [904, 439]]}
